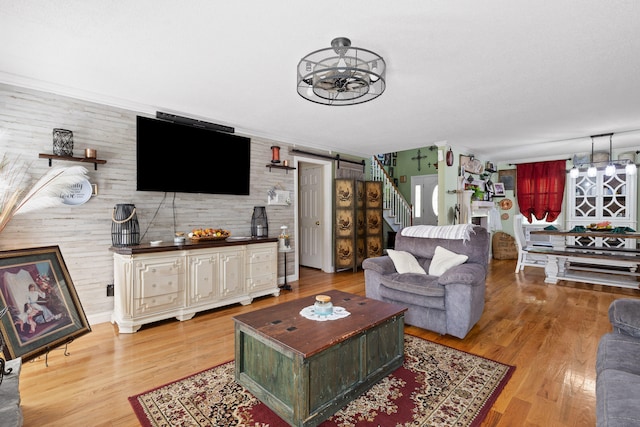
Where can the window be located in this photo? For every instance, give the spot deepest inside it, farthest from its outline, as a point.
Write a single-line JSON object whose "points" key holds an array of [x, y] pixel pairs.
{"points": [[434, 200]]}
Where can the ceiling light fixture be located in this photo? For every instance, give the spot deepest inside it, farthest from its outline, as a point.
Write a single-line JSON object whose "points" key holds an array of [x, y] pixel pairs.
{"points": [[592, 171], [610, 170], [341, 74], [574, 172], [630, 168]]}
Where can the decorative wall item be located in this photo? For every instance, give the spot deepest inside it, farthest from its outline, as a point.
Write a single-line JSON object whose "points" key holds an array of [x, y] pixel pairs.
{"points": [[44, 310], [498, 189], [450, 157], [419, 157], [78, 194], [279, 197], [62, 142], [508, 178], [471, 165], [506, 204]]}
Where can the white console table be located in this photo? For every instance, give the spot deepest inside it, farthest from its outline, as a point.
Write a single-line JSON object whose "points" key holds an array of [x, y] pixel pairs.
{"points": [[154, 283]]}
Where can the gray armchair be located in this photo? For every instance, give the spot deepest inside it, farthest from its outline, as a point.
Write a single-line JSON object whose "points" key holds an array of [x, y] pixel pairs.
{"points": [[451, 303]]}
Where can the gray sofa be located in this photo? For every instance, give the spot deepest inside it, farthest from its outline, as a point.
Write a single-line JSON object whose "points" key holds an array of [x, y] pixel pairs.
{"points": [[618, 367], [449, 304], [10, 411]]}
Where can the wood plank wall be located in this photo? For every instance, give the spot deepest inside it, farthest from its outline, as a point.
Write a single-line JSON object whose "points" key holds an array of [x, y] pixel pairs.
{"points": [[83, 233]]}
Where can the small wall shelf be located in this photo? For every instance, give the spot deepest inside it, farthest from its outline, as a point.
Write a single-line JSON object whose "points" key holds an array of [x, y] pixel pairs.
{"points": [[51, 157], [287, 168]]}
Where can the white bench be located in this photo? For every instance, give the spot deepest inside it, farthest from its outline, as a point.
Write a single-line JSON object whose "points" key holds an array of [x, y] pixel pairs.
{"points": [[596, 265]]}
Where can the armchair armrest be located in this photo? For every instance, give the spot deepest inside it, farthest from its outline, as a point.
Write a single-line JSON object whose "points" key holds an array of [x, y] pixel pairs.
{"points": [[381, 265], [464, 274], [624, 315]]}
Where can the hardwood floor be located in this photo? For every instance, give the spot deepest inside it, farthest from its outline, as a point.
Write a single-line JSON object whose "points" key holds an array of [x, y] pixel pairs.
{"points": [[549, 332]]}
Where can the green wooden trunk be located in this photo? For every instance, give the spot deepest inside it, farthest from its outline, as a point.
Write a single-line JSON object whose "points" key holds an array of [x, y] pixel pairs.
{"points": [[304, 391]]}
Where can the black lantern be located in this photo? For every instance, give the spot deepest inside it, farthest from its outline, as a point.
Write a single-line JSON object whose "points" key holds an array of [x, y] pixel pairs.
{"points": [[125, 230], [259, 224]]}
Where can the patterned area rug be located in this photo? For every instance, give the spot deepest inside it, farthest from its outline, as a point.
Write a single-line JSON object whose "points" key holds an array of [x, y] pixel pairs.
{"points": [[436, 386]]}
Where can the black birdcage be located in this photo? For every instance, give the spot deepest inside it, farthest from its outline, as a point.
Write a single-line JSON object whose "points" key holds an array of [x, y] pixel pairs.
{"points": [[125, 230]]}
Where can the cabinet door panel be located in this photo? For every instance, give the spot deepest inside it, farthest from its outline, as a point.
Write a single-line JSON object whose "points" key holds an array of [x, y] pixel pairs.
{"points": [[203, 278], [231, 272]]}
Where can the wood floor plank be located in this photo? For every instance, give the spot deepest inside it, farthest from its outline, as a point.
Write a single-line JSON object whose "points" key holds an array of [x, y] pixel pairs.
{"points": [[549, 332]]}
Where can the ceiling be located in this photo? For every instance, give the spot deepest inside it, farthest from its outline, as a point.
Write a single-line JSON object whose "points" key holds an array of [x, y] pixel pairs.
{"points": [[505, 80]]}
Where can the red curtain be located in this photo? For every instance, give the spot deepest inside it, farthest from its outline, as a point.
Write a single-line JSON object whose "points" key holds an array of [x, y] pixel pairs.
{"points": [[540, 189]]}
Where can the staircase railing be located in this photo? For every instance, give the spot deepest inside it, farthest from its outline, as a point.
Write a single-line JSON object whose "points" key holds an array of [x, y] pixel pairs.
{"points": [[393, 201]]}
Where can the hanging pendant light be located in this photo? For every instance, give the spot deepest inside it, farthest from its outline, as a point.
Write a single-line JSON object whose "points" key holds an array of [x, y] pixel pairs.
{"points": [[630, 168], [610, 170], [592, 171], [574, 172]]}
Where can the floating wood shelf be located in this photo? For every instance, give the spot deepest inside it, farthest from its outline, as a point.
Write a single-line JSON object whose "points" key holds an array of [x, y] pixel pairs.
{"points": [[51, 157], [287, 168]]}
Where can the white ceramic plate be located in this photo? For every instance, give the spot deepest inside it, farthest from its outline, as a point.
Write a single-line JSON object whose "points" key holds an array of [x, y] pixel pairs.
{"points": [[237, 238], [78, 194]]}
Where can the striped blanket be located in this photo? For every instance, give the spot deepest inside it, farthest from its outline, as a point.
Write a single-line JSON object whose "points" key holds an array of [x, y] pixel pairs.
{"points": [[455, 232]]}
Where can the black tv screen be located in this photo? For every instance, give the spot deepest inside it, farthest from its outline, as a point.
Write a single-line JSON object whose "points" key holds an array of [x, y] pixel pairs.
{"points": [[180, 158]]}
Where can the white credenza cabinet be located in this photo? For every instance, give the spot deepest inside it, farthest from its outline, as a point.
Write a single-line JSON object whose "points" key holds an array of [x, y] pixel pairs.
{"points": [[180, 281]]}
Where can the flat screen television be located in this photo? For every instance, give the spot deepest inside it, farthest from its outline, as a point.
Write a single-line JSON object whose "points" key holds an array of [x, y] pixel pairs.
{"points": [[173, 157]]}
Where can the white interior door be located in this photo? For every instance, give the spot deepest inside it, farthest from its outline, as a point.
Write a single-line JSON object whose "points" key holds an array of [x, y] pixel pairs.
{"points": [[424, 198], [311, 207]]}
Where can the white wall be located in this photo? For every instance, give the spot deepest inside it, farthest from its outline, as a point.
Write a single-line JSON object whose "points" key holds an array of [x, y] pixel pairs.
{"points": [[83, 233]]}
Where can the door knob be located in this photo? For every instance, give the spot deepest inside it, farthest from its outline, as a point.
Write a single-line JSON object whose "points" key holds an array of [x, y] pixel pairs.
{"points": [[317, 222]]}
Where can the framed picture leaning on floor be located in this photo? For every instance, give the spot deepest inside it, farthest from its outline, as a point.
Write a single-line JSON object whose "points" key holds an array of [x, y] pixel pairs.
{"points": [[44, 311]]}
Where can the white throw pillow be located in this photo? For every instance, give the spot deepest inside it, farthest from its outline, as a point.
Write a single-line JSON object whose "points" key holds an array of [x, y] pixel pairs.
{"points": [[444, 259], [405, 262]]}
